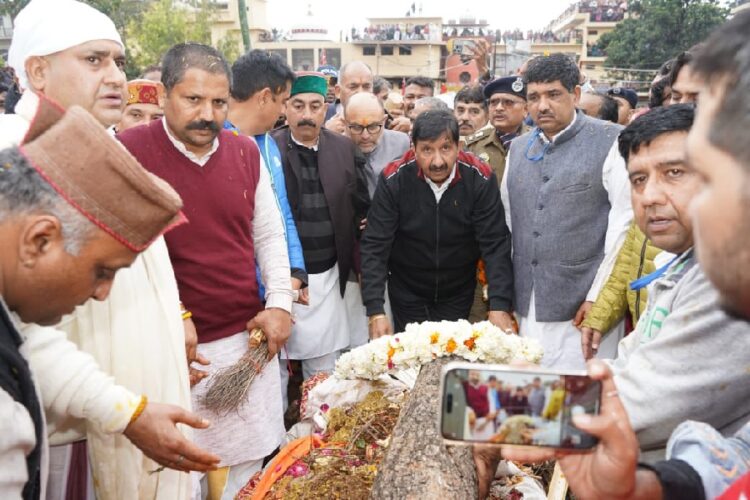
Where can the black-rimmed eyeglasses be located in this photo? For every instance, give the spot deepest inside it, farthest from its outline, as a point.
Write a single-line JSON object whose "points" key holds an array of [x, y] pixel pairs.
{"points": [[372, 128]]}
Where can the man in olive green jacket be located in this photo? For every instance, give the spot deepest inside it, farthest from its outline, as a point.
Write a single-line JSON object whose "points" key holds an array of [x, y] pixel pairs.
{"points": [[635, 259]]}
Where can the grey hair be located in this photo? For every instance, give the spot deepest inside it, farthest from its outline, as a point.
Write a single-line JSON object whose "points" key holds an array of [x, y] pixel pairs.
{"points": [[431, 103], [24, 191]]}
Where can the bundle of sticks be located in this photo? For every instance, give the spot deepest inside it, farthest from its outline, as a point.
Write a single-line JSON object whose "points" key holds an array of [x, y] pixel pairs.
{"points": [[228, 388]]}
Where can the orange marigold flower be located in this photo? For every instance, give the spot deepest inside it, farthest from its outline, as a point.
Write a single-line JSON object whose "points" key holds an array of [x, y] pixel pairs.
{"points": [[469, 343], [391, 351], [450, 346], [434, 338]]}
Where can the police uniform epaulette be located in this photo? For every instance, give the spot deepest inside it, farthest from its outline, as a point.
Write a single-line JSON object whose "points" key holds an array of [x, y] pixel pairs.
{"points": [[478, 136]]}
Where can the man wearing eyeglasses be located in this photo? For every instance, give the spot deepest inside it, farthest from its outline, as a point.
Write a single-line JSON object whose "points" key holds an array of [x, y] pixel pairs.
{"points": [[567, 203], [365, 117], [507, 106]]}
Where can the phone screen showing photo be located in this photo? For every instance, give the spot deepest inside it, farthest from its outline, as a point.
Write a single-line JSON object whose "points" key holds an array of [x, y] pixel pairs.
{"points": [[517, 407]]}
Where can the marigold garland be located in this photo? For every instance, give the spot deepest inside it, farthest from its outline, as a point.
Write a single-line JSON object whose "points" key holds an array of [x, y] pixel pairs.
{"points": [[423, 342]]}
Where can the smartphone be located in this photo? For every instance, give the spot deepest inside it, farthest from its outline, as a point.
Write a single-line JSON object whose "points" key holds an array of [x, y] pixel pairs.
{"points": [[505, 405], [466, 50]]}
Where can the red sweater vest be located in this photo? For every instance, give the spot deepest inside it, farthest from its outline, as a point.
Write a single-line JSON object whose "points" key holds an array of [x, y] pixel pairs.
{"points": [[212, 255]]}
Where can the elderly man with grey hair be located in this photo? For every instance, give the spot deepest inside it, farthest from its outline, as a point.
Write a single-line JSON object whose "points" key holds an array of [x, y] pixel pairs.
{"points": [[137, 335], [75, 208]]}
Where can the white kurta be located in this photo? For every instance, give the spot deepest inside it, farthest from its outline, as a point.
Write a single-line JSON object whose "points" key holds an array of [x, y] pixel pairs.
{"points": [[561, 340], [256, 428], [321, 327], [137, 337]]}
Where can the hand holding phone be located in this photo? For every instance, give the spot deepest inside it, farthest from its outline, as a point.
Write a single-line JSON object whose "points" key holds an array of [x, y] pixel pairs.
{"points": [[607, 471], [503, 405]]}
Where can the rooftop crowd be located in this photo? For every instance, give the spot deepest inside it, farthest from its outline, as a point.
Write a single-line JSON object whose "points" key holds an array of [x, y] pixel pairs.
{"points": [[157, 231]]}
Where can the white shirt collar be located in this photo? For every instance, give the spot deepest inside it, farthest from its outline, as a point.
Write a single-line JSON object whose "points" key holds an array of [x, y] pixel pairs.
{"points": [[439, 190], [570, 125], [314, 147], [189, 154]]}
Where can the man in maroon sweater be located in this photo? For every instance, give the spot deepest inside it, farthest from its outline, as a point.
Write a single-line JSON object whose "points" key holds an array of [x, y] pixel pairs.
{"points": [[234, 222]]}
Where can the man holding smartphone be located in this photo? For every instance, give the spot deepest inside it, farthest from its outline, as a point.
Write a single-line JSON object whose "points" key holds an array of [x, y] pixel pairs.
{"points": [[702, 463]]}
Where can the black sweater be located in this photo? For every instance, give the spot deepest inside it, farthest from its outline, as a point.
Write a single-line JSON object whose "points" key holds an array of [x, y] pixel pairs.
{"points": [[432, 248]]}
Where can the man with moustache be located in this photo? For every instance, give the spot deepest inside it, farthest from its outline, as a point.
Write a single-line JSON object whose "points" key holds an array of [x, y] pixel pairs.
{"points": [[567, 204], [506, 99], [365, 119], [702, 463], [507, 108], [435, 212], [67, 52], [232, 225], [327, 192], [470, 109]]}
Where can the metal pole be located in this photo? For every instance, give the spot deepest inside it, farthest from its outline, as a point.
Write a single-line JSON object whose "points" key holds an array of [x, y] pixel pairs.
{"points": [[242, 6]]}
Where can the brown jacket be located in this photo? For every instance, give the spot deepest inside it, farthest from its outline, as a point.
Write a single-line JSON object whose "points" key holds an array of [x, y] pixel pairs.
{"points": [[341, 169]]}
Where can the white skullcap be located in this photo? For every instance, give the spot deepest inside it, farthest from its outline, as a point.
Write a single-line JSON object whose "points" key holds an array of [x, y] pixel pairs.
{"points": [[45, 27]]}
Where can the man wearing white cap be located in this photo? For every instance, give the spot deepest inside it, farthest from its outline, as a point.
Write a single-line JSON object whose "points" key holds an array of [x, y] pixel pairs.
{"points": [[67, 52]]}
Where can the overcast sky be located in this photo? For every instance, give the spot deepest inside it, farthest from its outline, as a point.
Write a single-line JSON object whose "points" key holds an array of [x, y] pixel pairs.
{"points": [[339, 15]]}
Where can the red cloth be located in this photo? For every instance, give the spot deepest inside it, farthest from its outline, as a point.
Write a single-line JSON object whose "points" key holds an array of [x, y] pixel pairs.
{"points": [[212, 255], [476, 398], [740, 489]]}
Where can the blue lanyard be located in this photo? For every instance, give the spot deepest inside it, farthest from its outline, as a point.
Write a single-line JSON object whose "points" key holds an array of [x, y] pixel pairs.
{"points": [[644, 281], [530, 143]]}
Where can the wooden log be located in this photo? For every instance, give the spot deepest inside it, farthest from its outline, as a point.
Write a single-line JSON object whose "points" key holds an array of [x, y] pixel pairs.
{"points": [[417, 464]]}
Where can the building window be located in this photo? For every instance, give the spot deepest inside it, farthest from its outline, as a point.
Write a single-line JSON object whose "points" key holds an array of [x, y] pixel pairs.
{"points": [[591, 66], [368, 50], [593, 32], [386, 50], [303, 59], [333, 57], [404, 50]]}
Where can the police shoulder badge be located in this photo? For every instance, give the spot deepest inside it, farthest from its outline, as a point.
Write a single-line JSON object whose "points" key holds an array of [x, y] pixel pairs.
{"points": [[517, 85]]}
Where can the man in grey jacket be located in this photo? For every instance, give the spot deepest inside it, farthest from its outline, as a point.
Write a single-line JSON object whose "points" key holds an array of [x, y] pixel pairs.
{"points": [[676, 364]]}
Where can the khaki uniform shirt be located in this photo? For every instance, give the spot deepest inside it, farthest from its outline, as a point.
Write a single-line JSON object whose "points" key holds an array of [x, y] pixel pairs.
{"points": [[488, 147]]}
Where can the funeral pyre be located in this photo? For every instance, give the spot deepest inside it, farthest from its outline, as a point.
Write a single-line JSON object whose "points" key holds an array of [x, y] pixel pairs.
{"points": [[347, 419]]}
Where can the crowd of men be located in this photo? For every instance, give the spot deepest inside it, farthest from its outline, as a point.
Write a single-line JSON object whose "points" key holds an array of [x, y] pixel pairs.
{"points": [[566, 217]]}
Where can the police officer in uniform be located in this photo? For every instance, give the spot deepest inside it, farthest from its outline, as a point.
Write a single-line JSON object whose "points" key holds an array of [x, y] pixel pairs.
{"points": [[507, 106], [506, 100]]}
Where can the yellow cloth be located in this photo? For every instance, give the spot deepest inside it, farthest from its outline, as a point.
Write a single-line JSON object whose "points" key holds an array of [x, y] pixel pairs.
{"points": [[555, 404]]}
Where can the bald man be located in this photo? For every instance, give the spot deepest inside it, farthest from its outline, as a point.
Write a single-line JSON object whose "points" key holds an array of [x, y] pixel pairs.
{"points": [[364, 118], [354, 77]]}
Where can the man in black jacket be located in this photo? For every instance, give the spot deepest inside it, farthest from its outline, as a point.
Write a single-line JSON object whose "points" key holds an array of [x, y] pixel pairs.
{"points": [[435, 212]]}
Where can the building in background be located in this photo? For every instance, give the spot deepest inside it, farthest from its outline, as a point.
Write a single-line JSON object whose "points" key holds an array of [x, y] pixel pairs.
{"points": [[399, 47], [6, 33]]}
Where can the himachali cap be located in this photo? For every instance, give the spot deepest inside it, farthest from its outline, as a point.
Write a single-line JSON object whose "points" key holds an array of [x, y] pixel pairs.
{"points": [[629, 95], [508, 85], [99, 177], [145, 92], [310, 82], [45, 27]]}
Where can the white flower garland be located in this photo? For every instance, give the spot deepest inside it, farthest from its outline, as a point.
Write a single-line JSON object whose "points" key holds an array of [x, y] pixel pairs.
{"points": [[421, 343]]}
